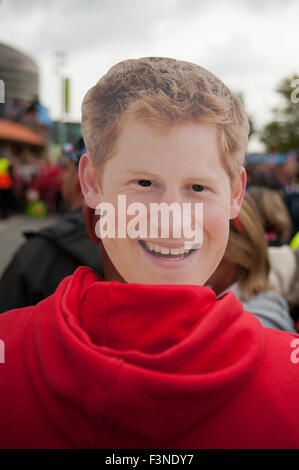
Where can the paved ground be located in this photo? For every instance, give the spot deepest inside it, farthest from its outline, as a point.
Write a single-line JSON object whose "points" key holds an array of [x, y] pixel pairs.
{"points": [[11, 234]]}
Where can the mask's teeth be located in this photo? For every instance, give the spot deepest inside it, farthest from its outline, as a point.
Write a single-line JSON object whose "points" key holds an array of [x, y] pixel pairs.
{"points": [[165, 250], [191, 246], [170, 251]]}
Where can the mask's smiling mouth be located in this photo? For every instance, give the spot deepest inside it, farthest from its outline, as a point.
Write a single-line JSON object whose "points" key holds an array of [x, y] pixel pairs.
{"points": [[167, 252]]}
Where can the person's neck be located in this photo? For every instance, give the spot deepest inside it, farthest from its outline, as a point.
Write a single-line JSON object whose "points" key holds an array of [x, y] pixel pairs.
{"points": [[111, 274]]}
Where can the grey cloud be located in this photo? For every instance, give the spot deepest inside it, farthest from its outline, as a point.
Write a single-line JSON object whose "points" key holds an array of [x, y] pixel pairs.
{"points": [[235, 57], [74, 25], [195, 6]]}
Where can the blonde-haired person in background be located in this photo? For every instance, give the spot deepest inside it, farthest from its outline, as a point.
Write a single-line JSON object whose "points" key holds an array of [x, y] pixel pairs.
{"points": [[284, 261], [245, 269]]}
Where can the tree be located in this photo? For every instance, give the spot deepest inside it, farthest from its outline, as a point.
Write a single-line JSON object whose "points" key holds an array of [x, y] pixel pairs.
{"points": [[282, 134]]}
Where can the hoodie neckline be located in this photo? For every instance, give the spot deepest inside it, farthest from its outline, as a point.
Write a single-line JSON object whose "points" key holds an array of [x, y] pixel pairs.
{"points": [[149, 319], [123, 355]]}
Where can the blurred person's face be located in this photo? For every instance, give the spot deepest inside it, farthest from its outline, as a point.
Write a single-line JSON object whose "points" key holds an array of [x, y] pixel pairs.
{"points": [[182, 166], [291, 168], [287, 170]]}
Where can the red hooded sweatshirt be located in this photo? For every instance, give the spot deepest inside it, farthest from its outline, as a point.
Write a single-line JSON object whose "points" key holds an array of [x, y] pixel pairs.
{"points": [[111, 365]]}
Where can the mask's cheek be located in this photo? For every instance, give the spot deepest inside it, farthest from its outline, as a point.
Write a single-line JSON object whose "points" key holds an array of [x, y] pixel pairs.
{"points": [[215, 230], [125, 254]]}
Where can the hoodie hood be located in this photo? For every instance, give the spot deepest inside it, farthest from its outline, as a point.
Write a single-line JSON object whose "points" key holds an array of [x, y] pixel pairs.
{"points": [[135, 365]]}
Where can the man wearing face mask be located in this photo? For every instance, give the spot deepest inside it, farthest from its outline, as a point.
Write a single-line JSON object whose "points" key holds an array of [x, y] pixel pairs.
{"points": [[147, 356]]}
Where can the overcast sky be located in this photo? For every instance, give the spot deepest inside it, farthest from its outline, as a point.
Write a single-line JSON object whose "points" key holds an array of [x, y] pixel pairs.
{"points": [[250, 44]]}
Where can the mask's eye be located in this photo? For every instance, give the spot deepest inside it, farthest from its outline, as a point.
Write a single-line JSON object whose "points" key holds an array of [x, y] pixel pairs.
{"points": [[198, 188], [144, 182]]}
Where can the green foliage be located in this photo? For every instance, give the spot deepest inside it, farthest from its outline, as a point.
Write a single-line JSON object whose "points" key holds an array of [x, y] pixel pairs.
{"points": [[282, 134]]}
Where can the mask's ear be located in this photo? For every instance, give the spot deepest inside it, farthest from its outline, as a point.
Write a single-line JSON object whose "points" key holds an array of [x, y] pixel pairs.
{"points": [[238, 191], [88, 180]]}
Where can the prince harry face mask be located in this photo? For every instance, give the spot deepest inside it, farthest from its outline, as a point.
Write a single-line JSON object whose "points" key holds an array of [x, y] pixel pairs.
{"points": [[181, 166]]}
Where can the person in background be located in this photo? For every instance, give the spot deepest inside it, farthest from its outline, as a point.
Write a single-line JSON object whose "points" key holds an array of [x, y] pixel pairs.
{"points": [[53, 253], [291, 201], [286, 171], [284, 261], [6, 184], [245, 269]]}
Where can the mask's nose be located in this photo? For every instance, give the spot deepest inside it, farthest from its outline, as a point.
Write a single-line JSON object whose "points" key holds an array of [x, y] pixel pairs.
{"points": [[174, 218]]}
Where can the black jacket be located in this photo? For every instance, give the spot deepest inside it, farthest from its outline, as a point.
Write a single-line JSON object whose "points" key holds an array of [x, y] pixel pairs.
{"points": [[45, 259]]}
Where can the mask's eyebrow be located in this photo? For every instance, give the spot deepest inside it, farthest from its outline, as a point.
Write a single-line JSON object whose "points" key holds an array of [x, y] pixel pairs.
{"points": [[142, 172]]}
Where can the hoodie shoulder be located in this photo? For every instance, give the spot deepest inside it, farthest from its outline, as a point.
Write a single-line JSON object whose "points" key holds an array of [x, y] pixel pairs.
{"points": [[272, 310]]}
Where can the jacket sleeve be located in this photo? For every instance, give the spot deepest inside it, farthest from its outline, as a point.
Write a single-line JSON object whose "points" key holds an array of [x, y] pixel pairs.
{"points": [[33, 274], [13, 291]]}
